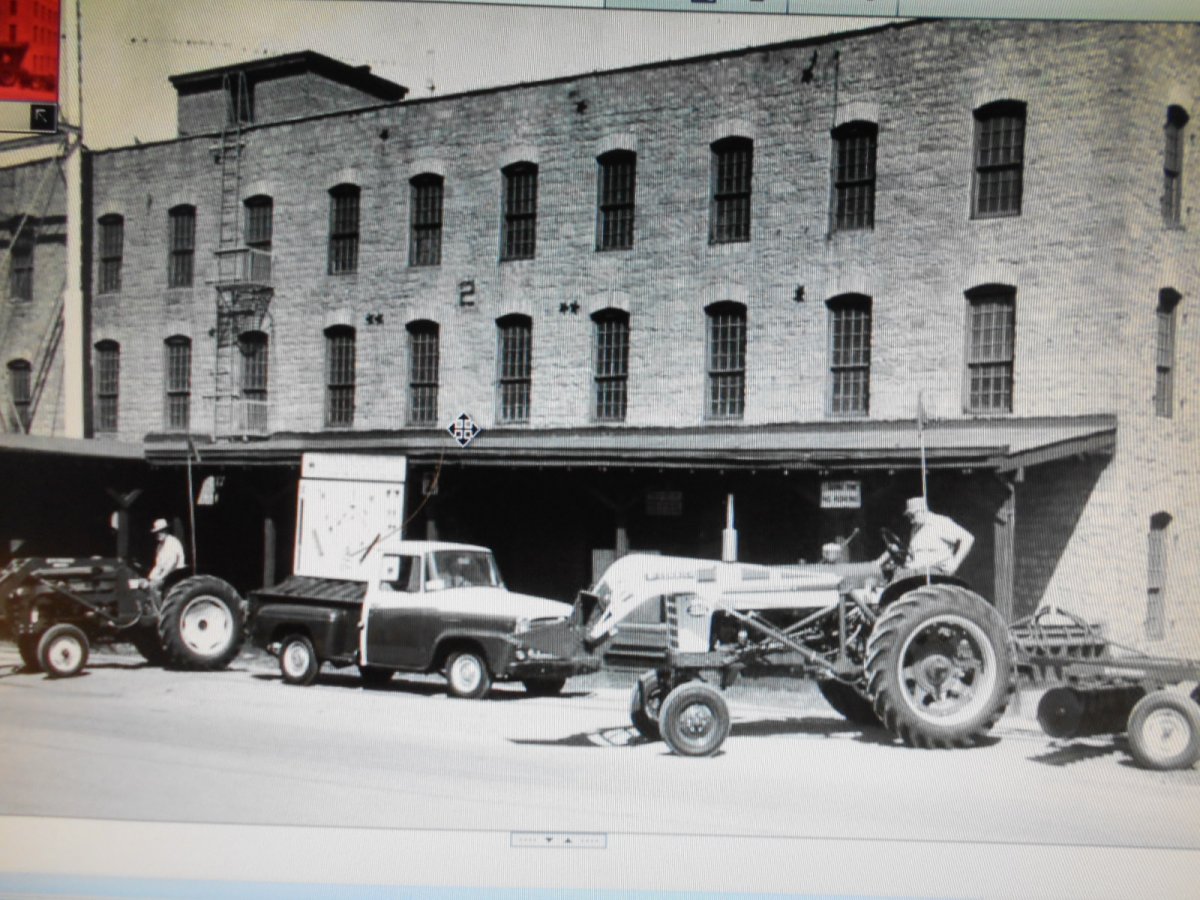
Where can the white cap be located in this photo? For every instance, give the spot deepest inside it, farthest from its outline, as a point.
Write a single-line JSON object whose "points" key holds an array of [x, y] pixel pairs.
{"points": [[159, 525], [915, 504]]}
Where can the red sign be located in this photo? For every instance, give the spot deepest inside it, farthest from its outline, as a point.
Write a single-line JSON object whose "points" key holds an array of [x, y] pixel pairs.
{"points": [[29, 45]]}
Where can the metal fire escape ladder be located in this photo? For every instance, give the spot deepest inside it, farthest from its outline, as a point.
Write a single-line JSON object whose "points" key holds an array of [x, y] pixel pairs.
{"points": [[242, 292]]}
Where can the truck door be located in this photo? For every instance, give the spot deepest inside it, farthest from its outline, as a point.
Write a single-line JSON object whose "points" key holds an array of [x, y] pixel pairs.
{"points": [[397, 621]]}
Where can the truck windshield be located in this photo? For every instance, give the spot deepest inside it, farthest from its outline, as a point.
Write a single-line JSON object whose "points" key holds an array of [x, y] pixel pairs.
{"points": [[462, 568]]}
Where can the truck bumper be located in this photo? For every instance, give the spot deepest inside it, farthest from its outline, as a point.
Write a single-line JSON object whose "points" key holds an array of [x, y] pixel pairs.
{"points": [[548, 668]]}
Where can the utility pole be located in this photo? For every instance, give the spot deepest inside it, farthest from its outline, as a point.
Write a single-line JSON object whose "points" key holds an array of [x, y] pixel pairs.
{"points": [[71, 125]]}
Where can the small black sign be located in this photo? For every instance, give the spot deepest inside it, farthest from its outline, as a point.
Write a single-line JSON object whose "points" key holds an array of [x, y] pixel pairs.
{"points": [[43, 118]]}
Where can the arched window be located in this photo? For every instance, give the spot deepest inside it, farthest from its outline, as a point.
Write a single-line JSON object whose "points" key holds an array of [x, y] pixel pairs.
{"points": [[732, 180], [1156, 576], [260, 213], [339, 376], [854, 175], [519, 238], [1172, 199], [615, 189], [20, 390], [253, 380], [425, 220], [611, 361], [107, 380], [991, 339], [422, 372], [112, 247], [999, 159], [726, 360], [20, 273], [343, 229], [515, 352], [850, 355], [1164, 353], [178, 382], [181, 261]]}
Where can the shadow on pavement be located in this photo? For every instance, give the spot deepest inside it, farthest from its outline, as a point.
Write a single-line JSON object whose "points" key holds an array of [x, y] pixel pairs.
{"points": [[420, 688], [1066, 754]]}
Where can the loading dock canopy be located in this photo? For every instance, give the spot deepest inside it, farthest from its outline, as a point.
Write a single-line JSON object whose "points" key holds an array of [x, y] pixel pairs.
{"points": [[1002, 444], [63, 446]]}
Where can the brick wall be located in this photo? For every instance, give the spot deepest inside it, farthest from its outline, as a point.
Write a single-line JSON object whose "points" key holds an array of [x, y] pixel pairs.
{"points": [[27, 326], [1087, 256]]}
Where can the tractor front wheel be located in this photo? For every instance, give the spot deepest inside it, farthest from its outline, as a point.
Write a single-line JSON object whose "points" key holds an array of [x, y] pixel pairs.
{"points": [[27, 646], [940, 667], [694, 719], [201, 623], [63, 651], [645, 703], [849, 703]]}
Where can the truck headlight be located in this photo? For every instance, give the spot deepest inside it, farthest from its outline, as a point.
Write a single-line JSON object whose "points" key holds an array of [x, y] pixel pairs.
{"points": [[522, 626]]}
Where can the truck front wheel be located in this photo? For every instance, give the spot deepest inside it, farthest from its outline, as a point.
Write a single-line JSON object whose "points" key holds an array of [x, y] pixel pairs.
{"points": [[63, 651], [298, 661], [201, 623], [940, 667], [467, 675]]}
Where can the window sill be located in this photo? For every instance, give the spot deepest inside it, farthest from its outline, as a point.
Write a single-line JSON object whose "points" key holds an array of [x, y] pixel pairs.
{"points": [[991, 217]]}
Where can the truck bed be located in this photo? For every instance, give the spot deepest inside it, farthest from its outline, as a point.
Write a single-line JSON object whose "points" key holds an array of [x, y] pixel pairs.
{"points": [[317, 591]]}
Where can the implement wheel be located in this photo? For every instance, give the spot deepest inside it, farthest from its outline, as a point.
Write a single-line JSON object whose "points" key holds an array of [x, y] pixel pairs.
{"points": [[694, 719], [645, 703], [1164, 731], [27, 646], [201, 623], [63, 651], [544, 687], [849, 703], [940, 667]]}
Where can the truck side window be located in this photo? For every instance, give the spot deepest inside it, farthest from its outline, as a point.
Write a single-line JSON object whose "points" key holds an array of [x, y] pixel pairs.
{"points": [[401, 573]]}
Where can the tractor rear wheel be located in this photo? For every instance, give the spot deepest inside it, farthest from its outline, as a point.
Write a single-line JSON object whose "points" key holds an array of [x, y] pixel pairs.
{"points": [[849, 703], [201, 623], [940, 667]]}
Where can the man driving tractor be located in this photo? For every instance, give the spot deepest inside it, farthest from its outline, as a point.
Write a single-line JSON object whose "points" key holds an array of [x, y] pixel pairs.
{"points": [[937, 544]]}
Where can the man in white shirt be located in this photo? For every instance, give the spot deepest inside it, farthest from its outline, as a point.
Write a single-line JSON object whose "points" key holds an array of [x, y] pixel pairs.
{"points": [[938, 543], [169, 557]]}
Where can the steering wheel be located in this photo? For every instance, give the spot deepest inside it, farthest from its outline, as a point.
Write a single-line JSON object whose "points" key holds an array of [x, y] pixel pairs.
{"points": [[897, 547]]}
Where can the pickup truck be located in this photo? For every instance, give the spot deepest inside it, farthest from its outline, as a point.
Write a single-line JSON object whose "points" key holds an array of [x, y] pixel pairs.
{"points": [[427, 606]]}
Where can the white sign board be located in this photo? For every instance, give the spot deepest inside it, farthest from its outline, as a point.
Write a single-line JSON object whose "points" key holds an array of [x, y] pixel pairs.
{"points": [[347, 506], [841, 495]]}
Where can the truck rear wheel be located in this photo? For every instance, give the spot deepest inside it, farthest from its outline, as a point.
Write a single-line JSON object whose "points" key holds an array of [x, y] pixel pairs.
{"points": [[694, 719], [467, 675], [27, 645], [63, 651], [848, 702], [298, 663], [645, 703], [201, 623], [940, 667], [1164, 731]]}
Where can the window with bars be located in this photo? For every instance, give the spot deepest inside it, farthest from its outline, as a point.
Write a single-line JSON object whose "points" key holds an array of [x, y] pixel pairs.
{"points": [[254, 349], [516, 367], [178, 352], [260, 214], [1172, 199], [726, 360], [519, 240], [180, 263], [108, 382], [1164, 353], [425, 220], [999, 159], [617, 183], [20, 390], [112, 248], [339, 376], [732, 176], [20, 273], [991, 327], [343, 229], [611, 374], [854, 176], [850, 355], [422, 373]]}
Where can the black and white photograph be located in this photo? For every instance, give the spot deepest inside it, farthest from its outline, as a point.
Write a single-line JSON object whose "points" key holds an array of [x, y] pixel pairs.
{"points": [[574, 425]]}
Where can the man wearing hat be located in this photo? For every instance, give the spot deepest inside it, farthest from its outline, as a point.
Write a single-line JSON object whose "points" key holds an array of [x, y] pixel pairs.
{"points": [[938, 543], [169, 557]]}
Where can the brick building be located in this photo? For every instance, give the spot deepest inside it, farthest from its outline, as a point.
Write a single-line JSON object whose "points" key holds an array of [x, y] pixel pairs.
{"points": [[657, 287]]}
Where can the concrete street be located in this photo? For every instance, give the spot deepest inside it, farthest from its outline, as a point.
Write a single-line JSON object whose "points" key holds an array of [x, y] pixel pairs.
{"points": [[128, 741]]}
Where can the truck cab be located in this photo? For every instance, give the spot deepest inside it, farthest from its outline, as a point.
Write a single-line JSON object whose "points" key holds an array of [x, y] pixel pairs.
{"points": [[426, 606]]}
